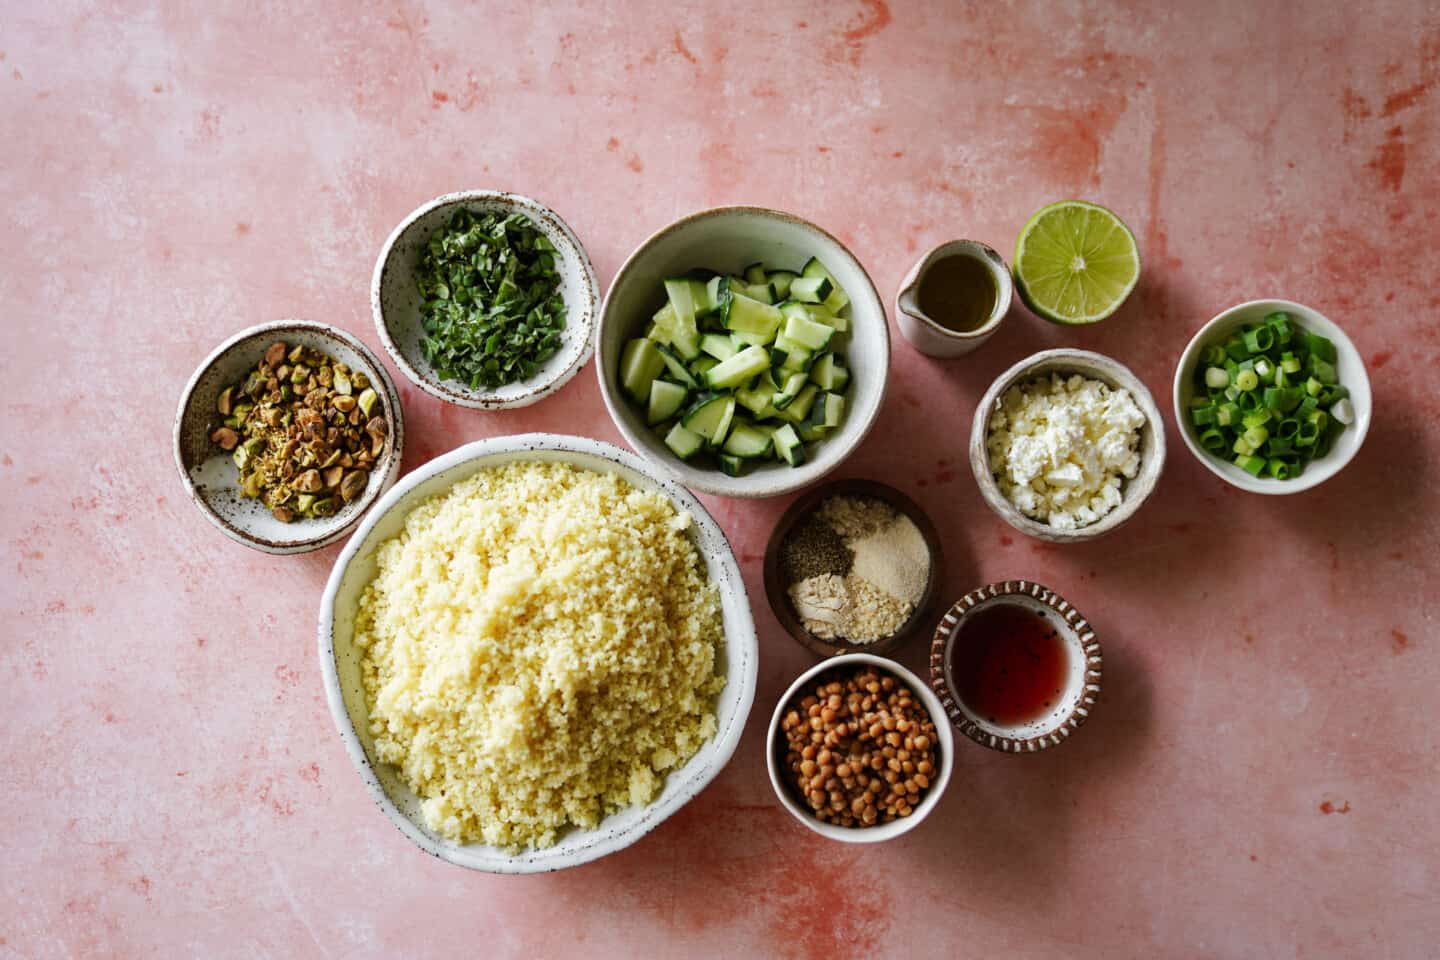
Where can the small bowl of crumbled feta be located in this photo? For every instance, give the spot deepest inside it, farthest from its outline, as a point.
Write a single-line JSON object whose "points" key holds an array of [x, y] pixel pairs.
{"points": [[1066, 445]]}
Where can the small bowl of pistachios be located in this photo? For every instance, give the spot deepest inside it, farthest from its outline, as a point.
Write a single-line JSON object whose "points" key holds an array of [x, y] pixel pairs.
{"points": [[287, 433]]}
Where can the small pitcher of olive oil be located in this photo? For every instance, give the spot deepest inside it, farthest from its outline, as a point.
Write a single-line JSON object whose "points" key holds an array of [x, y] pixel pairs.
{"points": [[954, 298]]}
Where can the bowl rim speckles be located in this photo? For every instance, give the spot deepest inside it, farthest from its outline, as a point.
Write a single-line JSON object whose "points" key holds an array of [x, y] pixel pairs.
{"points": [[1083, 688], [775, 586], [880, 832], [773, 229], [1353, 376], [310, 534], [1091, 365], [354, 570], [580, 314]]}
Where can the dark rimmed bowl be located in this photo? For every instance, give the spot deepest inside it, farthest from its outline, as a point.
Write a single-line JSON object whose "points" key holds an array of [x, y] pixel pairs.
{"points": [[395, 299], [775, 582], [1083, 675], [209, 475]]}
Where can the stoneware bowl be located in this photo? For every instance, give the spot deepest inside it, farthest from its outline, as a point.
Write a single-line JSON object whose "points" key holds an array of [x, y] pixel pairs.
{"points": [[726, 239], [1094, 366], [395, 299], [1082, 673], [774, 751], [926, 333], [1349, 365], [209, 474], [775, 586], [340, 660]]}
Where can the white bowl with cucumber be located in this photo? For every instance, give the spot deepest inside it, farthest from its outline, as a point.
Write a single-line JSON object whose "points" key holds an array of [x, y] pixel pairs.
{"points": [[743, 350]]}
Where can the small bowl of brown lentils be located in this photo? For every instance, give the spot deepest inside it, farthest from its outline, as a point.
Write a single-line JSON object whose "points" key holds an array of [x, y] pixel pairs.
{"points": [[287, 433], [859, 749]]}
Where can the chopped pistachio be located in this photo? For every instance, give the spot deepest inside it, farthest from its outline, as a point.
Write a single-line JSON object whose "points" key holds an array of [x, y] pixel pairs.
{"points": [[297, 353], [304, 502], [342, 383], [223, 404], [323, 508], [367, 401]]}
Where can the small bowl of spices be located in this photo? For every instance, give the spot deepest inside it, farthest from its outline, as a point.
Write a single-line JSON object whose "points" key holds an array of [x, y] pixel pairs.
{"points": [[1017, 668], [858, 749], [287, 433], [485, 299], [852, 565]]}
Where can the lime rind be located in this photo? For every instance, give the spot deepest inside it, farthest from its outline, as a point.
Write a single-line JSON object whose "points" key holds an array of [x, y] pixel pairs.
{"points": [[1049, 244]]}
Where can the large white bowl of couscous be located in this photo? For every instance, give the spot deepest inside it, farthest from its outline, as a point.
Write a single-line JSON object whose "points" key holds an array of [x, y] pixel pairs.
{"points": [[536, 649]]}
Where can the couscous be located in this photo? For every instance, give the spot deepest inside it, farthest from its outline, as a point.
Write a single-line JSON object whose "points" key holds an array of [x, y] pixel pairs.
{"points": [[539, 648]]}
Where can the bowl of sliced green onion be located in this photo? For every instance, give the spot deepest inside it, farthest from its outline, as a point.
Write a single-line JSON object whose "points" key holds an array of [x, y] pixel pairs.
{"points": [[1272, 397]]}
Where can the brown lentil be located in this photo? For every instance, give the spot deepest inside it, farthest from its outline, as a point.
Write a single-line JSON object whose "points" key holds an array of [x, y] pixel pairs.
{"points": [[826, 760]]}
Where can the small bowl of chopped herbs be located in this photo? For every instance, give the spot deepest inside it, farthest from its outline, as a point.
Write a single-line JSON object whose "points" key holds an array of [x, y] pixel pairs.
{"points": [[1272, 397], [287, 433], [485, 299]]}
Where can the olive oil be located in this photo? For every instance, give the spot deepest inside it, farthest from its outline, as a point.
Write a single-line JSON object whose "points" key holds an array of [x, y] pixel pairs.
{"points": [[958, 293]]}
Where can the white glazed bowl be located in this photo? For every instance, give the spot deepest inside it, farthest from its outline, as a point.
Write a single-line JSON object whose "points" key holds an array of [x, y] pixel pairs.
{"points": [[340, 661], [1095, 366], [395, 299], [726, 239], [1349, 366], [881, 832], [210, 476]]}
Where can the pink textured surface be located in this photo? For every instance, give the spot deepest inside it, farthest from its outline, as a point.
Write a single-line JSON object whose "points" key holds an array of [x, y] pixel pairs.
{"points": [[1260, 778]]}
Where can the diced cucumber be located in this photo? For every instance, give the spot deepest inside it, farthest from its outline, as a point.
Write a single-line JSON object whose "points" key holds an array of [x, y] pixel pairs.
{"points": [[786, 395], [799, 408], [666, 399], [822, 371], [811, 431], [755, 273], [722, 429], [687, 297], [662, 325], [738, 369], [640, 363], [836, 300], [756, 397], [795, 357], [811, 289], [731, 466], [675, 367], [808, 333], [780, 281], [744, 338], [701, 364], [762, 292], [788, 446], [750, 315], [748, 442], [717, 291], [683, 443], [718, 346], [834, 409], [710, 416]]}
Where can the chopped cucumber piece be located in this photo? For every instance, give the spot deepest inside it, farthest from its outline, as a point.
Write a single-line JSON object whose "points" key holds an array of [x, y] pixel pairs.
{"points": [[708, 415], [748, 442], [810, 431], [834, 409], [799, 408], [788, 446], [731, 466], [822, 371], [718, 346], [755, 273], [640, 363], [675, 368], [780, 281], [808, 333], [683, 443], [750, 315], [836, 300], [701, 364], [762, 292], [686, 296], [757, 396], [811, 289], [744, 339], [666, 399], [787, 394], [717, 291], [738, 369]]}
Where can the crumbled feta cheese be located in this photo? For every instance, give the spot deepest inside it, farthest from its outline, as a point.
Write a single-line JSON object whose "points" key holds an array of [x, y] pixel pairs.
{"points": [[1061, 448]]}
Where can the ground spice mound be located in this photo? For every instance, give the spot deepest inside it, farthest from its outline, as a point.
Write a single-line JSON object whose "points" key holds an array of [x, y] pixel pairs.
{"points": [[539, 649]]}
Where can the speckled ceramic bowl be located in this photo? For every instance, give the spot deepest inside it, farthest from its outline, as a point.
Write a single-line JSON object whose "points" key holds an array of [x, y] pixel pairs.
{"points": [[340, 660], [774, 756], [1348, 363], [1095, 366], [395, 300], [776, 587], [209, 474], [1082, 672], [727, 238]]}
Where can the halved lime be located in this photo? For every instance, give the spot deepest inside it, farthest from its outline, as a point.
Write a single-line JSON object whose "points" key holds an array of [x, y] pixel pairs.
{"points": [[1075, 262]]}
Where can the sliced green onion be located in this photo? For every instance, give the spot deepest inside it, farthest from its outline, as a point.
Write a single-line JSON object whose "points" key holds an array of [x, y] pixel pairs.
{"points": [[1259, 339], [1213, 440], [1319, 418], [1325, 371], [1255, 418], [1307, 404], [1282, 379], [1235, 349], [1216, 378], [1314, 387], [1279, 445], [1287, 429], [1280, 323], [1242, 447], [1319, 347], [1247, 380], [1227, 414], [1278, 469], [1256, 437], [1289, 362], [1309, 432], [1249, 401], [1202, 416], [1251, 465], [1332, 394], [1343, 411]]}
